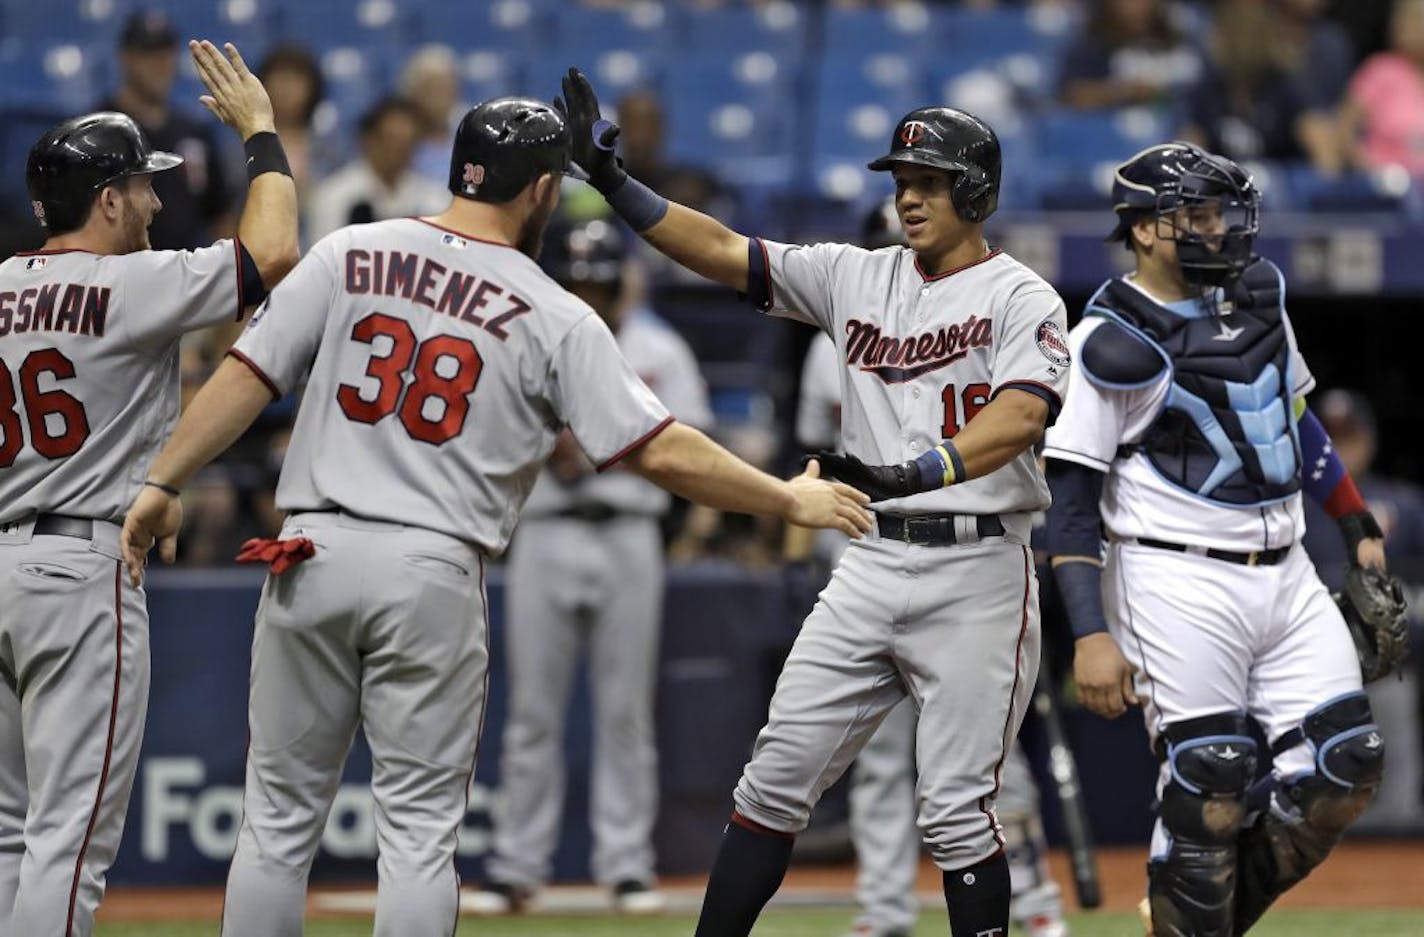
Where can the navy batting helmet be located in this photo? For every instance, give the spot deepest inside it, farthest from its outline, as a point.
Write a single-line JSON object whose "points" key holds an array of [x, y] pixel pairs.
{"points": [[584, 252], [952, 140], [76, 158], [1162, 179], [504, 144]]}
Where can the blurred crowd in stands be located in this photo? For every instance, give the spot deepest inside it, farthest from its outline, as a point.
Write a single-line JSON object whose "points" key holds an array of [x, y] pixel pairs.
{"points": [[366, 109]]}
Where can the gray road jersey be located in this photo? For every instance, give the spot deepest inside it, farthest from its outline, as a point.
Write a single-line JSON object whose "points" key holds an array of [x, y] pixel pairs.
{"points": [[921, 355], [439, 370], [666, 364], [89, 369]]}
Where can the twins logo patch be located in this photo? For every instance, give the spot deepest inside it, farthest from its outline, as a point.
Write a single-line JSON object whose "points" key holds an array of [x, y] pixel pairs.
{"points": [[1051, 342]]}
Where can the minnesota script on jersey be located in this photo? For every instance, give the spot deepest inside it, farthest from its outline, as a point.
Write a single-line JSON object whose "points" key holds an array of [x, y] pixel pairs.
{"points": [[439, 370], [922, 355], [89, 369]]}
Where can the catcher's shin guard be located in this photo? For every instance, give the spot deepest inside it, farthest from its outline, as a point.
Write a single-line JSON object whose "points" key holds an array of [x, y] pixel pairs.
{"points": [[1309, 812], [1191, 888]]}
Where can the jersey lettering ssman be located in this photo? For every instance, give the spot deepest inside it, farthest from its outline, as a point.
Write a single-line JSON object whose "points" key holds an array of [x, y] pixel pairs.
{"points": [[923, 354], [440, 370], [89, 368]]}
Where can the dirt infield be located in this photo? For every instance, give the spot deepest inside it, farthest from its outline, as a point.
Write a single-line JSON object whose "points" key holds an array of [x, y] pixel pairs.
{"points": [[1385, 874]]}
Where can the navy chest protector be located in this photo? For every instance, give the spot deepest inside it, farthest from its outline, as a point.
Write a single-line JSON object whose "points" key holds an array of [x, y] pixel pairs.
{"points": [[1225, 432]]}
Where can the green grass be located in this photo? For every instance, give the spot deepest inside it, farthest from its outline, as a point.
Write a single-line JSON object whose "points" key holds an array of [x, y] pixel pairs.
{"points": [[779, 923]]}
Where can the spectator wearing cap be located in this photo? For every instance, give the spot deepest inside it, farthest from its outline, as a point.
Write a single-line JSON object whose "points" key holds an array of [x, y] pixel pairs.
{"points": [[197, 203], [380, 184], [1398, 505]]}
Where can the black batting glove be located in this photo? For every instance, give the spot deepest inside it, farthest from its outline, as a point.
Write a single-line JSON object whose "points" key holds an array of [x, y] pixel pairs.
{"points": [[880, 482], [593, 137]]}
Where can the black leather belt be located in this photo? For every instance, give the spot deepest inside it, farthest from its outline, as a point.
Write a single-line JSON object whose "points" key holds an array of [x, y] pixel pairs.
{"points": [[60, 525], [1254, 558], [933, 530], [593, 512]]}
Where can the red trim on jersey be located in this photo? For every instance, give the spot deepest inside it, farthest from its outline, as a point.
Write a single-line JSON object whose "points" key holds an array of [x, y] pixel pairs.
{"points": [[237, 262], [766, 269], [108, 743], [756, 827], [461, 234], [1009, 716], [1041, 386], [1345, 499], [261, 375], [949, 273], [636, 444], [56, 250]]}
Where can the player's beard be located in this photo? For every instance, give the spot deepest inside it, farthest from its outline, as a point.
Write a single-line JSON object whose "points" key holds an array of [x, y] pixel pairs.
{"points": [[531, 233], [133, 228]]}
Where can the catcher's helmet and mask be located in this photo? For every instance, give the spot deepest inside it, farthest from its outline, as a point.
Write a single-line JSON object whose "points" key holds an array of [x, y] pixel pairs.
{"points": [[1162, 179], [960, 143], [73, 160], [504, 144]]}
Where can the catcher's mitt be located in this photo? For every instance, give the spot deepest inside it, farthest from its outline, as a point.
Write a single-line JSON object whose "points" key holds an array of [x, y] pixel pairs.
{"points": [[1373, 605]]}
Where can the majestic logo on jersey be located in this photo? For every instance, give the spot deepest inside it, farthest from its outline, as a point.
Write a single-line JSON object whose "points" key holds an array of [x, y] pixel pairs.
{"points": [[913, 132], [896, 360], [1049, 338]]}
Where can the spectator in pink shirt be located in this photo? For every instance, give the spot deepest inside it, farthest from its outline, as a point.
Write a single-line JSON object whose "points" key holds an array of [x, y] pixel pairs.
{"points": [[1383, 114]]}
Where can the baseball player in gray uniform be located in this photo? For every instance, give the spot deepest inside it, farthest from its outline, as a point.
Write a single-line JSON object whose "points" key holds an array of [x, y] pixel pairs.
{"points": [[586, 575], [882, 793], [953, 355], [89, 332], [440, 365]]}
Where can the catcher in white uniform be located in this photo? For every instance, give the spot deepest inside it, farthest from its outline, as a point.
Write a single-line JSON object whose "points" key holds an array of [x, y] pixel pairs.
{"points": [[1185, 444], [440, 365]]}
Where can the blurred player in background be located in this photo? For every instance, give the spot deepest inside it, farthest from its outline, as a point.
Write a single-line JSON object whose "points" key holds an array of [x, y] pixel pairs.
{"points": [[586, 577]]}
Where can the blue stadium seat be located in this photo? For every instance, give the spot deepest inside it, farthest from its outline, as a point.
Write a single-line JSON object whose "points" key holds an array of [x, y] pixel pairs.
{"points": [[859, 99], [733, 116], [1078, 150], [1352, 192], [613, 72], [331, 24], [62, 75], [778, 28], [55, 21], [244, 23], [1006, 30], [486, 74], [510, 26], [903, 28], [580, 32]]}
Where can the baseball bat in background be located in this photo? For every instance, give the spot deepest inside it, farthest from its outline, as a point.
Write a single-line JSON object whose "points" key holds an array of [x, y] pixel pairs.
{"points": [[1070, 794]]}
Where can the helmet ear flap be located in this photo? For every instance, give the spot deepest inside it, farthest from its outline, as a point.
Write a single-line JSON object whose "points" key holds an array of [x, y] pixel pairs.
{"points": [[972, 195]]}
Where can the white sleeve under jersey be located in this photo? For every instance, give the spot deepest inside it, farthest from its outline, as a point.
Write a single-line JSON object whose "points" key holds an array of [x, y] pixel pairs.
{"points": [[439, 371]]}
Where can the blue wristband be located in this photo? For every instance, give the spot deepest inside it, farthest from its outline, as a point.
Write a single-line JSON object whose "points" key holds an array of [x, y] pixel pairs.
{"points": [[637, 204], [940, 467]]}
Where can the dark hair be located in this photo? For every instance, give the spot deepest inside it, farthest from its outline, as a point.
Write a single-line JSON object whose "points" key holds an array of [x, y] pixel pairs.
{"points": [[1102, 25], [293, 56], [384, 108]]}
